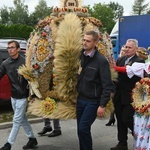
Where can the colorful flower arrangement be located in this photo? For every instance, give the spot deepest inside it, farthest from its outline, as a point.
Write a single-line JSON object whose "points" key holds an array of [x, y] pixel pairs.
{"points": [[43, 47], [141, 97], [51, 45]]}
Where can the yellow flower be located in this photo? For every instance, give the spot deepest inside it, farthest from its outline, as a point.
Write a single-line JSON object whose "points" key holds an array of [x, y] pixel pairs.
{"points": [[102, 48], [43, 50], [103, 52], [48, 105]]}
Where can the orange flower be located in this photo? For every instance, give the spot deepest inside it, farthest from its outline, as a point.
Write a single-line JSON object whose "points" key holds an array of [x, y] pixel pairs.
{"points": [[36, 66]]}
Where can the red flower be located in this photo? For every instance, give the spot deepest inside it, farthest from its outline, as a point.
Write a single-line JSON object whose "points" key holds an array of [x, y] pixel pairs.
{"points": [[36, 66], [44, 34]]}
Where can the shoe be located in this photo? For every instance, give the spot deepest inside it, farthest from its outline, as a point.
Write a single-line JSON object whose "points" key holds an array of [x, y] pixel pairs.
{"points": [[32, 143], [119, 147], [7, 146], [111, 122], [55, 133], [45, 130]]}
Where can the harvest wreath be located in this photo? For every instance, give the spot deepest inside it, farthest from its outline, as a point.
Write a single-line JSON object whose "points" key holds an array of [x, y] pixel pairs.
{"points": [[141, 97], [54, 48]]}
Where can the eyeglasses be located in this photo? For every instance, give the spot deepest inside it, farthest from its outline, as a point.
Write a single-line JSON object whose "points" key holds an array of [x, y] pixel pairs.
{"points": [[8, 48]]}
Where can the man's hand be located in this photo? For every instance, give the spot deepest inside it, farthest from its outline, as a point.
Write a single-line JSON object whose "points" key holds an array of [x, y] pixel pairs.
{"points": [[100, 111]]}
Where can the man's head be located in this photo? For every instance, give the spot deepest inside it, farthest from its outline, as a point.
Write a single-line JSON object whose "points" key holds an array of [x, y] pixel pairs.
{"points": [[13, 49], [131, 47], [90, 40]]}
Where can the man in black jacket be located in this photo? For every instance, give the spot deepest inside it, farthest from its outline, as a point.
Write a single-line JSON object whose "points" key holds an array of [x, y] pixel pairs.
{"points": [[19, 94], [94, 88], [122, 99]]}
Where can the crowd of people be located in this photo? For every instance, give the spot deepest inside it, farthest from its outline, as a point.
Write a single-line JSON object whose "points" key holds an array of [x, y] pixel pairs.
{"points": [[95, 88], [133, 57]]}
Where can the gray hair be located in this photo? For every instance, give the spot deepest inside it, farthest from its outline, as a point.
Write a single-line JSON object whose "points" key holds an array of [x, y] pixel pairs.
{"points": [[135, 41]]}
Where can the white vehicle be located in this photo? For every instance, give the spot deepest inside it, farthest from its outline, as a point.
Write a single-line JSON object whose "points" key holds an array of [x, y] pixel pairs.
{"points": [[3, 46]]}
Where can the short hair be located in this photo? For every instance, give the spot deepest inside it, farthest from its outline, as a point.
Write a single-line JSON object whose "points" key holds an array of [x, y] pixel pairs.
{"points": [[94, 34], [135, 41], [16, 43]]}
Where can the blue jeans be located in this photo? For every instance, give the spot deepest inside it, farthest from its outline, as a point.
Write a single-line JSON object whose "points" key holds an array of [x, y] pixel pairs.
{"points": [[56, 123], [86, 115], [19, 107]]}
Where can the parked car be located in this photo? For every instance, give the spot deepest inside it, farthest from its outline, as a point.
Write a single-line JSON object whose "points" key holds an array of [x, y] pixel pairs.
{"points": [[3, 46], [5, 87]]}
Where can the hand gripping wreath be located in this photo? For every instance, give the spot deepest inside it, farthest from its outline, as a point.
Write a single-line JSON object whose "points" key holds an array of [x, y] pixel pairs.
{"points": [[141, 97]]}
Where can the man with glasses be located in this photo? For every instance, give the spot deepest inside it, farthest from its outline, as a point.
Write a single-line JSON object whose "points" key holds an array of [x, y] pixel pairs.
{"points": [[19, 94]]}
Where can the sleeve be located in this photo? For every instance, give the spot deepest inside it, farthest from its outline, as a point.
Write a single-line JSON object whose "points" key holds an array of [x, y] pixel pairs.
{"points": [[108, 86], [120, 69], [136, 69], [2, 70]]}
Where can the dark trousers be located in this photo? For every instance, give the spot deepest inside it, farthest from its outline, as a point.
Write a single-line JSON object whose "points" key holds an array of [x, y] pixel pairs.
{"points": [[56, 123], [124, 115], [86, 115]]}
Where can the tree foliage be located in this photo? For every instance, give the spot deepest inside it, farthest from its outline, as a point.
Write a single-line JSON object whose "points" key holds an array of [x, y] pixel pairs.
{"points": [[104, 14], [148, 12], [19, 14], [41, 11], [140, 7], [15, 30], [117, 9], [4, 15]]}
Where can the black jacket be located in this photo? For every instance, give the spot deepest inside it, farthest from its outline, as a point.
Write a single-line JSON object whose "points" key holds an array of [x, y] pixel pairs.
{"points": [[18, 83], [94, 81], [125, 85]]}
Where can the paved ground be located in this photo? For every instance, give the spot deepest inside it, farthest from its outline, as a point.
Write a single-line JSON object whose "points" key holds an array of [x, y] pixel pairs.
{"points": [[104, 137]]}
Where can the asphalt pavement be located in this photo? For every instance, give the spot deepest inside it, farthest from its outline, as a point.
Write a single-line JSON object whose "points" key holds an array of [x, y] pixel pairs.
{"points": [[104, 137]]}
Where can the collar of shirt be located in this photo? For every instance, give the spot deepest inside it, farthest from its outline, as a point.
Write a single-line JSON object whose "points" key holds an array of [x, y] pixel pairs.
{"points": [[91, 54], [128, 59], [131, 56]]}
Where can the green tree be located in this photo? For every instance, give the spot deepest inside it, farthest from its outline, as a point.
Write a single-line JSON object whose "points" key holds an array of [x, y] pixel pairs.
{"points": [[117, 9], [140, 7], [105, 14], [33, 19], [148, 12], [4, 15], [41, 11], [19, 14]]}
